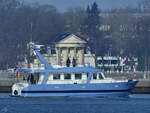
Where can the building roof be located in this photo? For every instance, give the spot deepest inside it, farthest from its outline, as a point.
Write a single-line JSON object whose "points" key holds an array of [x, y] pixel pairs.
{"points": [[61, 37]]}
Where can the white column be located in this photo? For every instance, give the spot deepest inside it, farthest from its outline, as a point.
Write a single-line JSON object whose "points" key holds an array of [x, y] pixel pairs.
{"points": [[82, 57], [58, 56]]}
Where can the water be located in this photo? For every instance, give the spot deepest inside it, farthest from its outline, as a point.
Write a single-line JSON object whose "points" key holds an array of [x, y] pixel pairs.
{"points": [[136, 103]]}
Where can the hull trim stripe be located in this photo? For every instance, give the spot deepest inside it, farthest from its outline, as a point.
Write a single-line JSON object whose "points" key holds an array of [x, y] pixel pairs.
{"points": [[77, 91]]}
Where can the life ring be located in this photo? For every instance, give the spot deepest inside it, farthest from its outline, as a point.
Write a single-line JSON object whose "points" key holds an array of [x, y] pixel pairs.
{"points": [[15, 92]]}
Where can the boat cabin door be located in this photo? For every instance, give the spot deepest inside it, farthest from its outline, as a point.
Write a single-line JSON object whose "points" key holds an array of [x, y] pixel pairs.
{"points": [[33, 78]]}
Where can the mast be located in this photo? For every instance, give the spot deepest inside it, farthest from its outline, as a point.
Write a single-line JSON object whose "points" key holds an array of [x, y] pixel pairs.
{"points": [[41, 58]]}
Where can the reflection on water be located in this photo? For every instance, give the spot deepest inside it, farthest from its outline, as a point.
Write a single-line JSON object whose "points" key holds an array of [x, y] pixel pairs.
{"points": [[138, 103]]}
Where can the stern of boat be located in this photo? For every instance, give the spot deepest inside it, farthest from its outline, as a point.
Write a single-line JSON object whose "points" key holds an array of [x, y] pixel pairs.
{"points": [[17, 88]]}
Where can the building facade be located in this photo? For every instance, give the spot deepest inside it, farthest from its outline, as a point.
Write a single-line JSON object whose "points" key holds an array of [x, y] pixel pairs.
{"points": [[69, 52]]}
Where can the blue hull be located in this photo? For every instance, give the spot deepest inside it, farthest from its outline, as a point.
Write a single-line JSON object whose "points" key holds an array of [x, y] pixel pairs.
{"points": [[101, 89]]}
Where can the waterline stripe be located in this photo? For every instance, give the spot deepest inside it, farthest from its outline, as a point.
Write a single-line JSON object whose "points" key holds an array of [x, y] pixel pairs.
{"points": [[76, 91]]}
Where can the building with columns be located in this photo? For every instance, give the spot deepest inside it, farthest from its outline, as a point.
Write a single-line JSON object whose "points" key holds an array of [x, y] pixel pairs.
{"points": [[70, 49]]}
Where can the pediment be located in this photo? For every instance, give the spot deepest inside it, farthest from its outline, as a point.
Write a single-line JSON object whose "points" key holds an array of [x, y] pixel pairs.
{"points": [[72, 39]]}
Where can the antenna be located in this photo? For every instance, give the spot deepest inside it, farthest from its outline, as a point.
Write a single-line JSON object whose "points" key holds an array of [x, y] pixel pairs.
{"points": [[29, 53]]}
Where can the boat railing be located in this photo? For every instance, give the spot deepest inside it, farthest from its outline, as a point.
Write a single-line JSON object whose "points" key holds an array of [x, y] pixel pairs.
{"points": [[120, 78], [66, 81], [33, 66]]}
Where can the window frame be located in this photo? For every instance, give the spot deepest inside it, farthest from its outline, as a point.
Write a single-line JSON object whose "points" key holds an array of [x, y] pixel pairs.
{"points": [[79, 76], [67, 74], [57, 76]]}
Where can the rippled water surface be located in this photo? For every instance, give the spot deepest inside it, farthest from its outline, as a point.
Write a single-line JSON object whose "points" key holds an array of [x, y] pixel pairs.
{"points": [[137, 103]]}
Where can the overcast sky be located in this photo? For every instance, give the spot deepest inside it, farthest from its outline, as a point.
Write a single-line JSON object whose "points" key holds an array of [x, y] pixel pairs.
{"points": [[63, 5]]}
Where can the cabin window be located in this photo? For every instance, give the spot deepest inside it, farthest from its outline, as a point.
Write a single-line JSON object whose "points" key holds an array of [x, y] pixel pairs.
{"points": [[67, 76], [56, 76], [100, 76], [78, 76], [94, 76]]}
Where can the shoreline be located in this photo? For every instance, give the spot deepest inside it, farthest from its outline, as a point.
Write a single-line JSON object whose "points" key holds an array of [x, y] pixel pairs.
{"points": [[5, 89], [141, 90]]}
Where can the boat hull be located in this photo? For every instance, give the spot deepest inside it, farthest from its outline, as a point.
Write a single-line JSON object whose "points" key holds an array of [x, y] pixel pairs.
{"points": [[101, 89]]}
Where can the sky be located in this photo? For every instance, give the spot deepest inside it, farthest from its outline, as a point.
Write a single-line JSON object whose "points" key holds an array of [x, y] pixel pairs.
{"points": [[63, 5]]}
